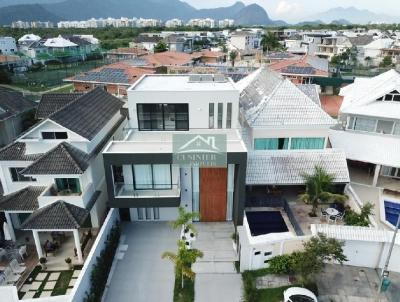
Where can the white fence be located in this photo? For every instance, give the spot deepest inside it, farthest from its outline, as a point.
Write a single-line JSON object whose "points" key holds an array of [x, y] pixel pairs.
{"points": [[82, 285]]}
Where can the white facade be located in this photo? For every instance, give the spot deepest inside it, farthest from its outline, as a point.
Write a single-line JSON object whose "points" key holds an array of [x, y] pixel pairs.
{"points": [[226, 23], [7, 45], [207, 22], [245, 40], [173, 23]]}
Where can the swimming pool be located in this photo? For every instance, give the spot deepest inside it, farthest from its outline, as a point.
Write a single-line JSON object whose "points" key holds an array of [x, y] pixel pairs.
{"points": [[266, 222], [392, 211]]}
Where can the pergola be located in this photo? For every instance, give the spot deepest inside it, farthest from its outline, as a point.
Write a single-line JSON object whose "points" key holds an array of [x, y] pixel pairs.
{"points": [[59, 216]]}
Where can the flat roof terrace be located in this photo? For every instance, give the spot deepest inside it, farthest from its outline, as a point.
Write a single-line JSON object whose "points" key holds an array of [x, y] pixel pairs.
{"points": [[187, 82], [161, 141]]}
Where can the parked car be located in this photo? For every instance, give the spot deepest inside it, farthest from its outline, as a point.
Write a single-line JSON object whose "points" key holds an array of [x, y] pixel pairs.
{"points": [[299, 294]]}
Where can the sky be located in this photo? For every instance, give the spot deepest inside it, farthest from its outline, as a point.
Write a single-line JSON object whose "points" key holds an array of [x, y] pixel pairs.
{"points": [[297, 10]]}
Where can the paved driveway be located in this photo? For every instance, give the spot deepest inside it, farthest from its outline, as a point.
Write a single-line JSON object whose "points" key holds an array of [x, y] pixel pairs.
{"points": [[141, 275]]}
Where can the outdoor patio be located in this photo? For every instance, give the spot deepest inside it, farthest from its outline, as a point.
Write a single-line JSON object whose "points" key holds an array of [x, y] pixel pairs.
{"points": [[365, 176]]}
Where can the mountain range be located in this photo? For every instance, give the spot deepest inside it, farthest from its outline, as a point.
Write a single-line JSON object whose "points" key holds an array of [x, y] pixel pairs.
{"points": [[54, 10], [352, 15]]}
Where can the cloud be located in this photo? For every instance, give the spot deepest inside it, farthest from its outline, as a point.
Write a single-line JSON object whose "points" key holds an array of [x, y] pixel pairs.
{"points": [[288, 8]]}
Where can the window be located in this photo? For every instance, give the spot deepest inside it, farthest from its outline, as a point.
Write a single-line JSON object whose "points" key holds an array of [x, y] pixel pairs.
{"points": [[148, 213], [393, 96], [156, 213], [267, 253], [385, 127], [211, 115], [220, 113], [271, 143], [140, 213], [299, 143], [54, 135], [152, 177], [229, 116], [159, 117], [396, 129], [390, 172], [71, 185], [17, 176], [364, 124], [257, 253]]}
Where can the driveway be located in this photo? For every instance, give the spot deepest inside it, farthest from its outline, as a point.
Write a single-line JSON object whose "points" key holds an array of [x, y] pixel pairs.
{"points": [[141, 275]]}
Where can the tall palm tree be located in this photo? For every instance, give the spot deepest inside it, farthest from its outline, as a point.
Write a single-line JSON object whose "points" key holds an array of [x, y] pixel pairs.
{"points": [[232, 57], [270, 42], [318, 189], [184, 219], [183, 261]]}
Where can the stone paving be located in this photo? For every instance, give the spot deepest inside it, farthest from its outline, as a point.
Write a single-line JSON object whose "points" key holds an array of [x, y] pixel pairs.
{"points": [[272, 281]]}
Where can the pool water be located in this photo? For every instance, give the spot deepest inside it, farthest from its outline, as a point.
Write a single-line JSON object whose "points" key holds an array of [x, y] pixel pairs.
{"points": [[266, 222], [392, 212]]}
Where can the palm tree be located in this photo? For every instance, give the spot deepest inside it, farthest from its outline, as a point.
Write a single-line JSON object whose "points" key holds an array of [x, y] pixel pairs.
{"points": [[184, 220], [232, 57], [183, 261], [270, 42], [318, 189]]}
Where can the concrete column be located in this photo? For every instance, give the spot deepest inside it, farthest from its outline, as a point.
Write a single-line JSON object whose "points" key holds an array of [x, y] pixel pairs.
{"points": [[10, 226], [78, 246], [376, 175], [282, 247], [38, 245]]}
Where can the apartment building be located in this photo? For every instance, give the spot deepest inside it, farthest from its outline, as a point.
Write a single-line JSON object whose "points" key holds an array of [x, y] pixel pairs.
{"points": [[245, 40], [7, 46], [331, 46], [174, 118], [173, 23], [52, 175]]}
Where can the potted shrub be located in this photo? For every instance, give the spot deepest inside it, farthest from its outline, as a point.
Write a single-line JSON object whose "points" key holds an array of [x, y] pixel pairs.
{"points": [[43, 262], [68, 261]]}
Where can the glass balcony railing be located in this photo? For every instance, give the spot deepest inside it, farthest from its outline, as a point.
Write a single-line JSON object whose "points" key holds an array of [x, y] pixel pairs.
{"points": [[128, 191]]}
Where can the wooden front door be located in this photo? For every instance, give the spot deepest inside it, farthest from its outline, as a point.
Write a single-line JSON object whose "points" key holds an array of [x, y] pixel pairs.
{"points": [[213, 182]]}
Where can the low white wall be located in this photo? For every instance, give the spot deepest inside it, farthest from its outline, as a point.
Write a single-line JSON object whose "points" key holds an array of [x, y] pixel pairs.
{"points": [[10, 294], [82, 284]]}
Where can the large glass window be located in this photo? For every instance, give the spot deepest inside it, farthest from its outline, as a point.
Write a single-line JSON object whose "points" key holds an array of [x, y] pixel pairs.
{"points": [[299, 143], [211, 115], [385, 127], [159, 117], [16, 175], [364, 124], [220, 114], [390, 172], [54, 135], [271, 144], [396, 129], [152, 177], [68, 185], [229, 115]]}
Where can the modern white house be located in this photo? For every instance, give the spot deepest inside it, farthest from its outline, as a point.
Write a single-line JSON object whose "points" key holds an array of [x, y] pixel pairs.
{"points": [[245, 40], [52, 175], [7, 46], [369, 132], [334, 45], [157, 167]]}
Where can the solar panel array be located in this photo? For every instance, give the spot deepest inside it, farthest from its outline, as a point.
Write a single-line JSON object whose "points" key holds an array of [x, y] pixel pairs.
{"points": [[299, 70], [105, 75], [207, 78]]}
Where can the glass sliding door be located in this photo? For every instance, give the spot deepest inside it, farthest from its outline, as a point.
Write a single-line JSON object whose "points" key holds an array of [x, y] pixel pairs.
{"points": [[143, 177], [162, 177], [160, 117], [152, 177], [271, 143], [70, 185], [299, 143]]}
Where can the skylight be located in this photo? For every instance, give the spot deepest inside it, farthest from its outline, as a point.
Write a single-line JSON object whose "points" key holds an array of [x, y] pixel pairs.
{"points": [[393, 96]]}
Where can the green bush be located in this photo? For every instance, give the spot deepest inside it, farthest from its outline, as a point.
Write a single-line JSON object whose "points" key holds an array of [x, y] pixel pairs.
{"points": [[101, 268], [282, 264], [355, 219]]}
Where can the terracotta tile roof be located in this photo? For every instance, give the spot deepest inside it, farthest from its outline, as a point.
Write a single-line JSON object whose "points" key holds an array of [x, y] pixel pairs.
{"points": [[129, 50], [282, 65], [208, 54], [7, 58], [168, 58]]}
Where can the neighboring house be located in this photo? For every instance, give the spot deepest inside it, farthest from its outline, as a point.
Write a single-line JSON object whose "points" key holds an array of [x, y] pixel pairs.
{"points": [[358, 43], [146, 42], [166, 58], [210, 57], [312, 40], [125, 53], [179, 43], [375, 51], [61, 45], [28, 38], [52, 175], [13, 63], [115, 78], [245, 40], [369, 132], [302, 70], [333, 46], [170, 115], [34, 49], [7, 46], [14, 112]]}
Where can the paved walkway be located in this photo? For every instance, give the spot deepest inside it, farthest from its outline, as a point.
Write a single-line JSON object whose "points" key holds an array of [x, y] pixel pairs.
{"points": [[140, 274], [348, 284], [216, 277]]}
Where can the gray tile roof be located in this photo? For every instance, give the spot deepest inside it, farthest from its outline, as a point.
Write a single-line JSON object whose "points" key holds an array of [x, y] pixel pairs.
{"points": [[268, 100], [52, 102], [16, 151], [59, 215], [88, 114], [62, 159], [286, 167], [310, 90], [361, 40], [22, 200], [13, 103], [148, 39]]}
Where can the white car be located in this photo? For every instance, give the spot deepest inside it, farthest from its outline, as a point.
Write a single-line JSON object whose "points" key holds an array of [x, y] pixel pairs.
{"points": [[299, 294]]}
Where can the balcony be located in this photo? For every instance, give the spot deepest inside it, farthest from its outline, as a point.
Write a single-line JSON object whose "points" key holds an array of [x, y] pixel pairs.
{"points": [[127, 191], [52, 194]]}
